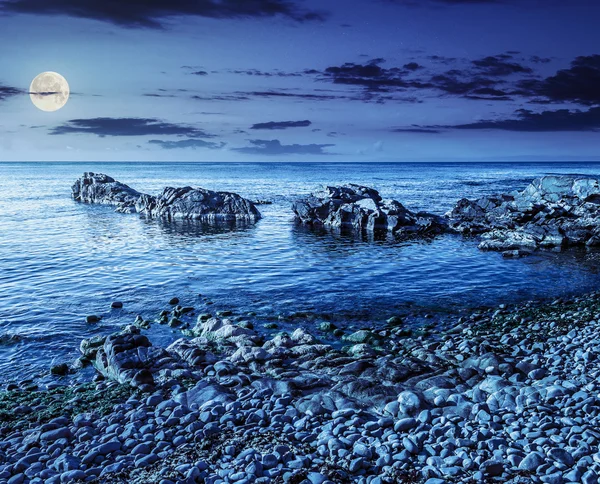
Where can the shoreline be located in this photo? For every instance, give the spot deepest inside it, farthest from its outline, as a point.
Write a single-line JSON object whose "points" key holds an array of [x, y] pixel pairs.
{"points": [[486, 399]]}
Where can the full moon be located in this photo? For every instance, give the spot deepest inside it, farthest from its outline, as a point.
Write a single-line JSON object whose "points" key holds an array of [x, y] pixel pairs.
{"points": [[49, 91]]}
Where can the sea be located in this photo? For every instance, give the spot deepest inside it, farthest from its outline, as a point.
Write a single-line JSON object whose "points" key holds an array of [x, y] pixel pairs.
{"points": [[61, 260]]}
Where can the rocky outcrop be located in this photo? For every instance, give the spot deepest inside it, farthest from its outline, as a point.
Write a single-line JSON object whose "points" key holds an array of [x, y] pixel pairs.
{"points": [[102, 189], [184, 203], [552, 212], [361, 208]]}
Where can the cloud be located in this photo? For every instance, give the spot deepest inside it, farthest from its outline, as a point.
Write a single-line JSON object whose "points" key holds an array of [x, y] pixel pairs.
{"points": [[412, 66], [416, 129], [7, 91], [371, 75], [127, 127], [481, 82], [274, 147], [200, 73], [546, 121], [155, 13], [282, 124], [527, 121], [477, 87], [580, 83], [187, 143], [258, 73], [540, 60], [499, 66]]}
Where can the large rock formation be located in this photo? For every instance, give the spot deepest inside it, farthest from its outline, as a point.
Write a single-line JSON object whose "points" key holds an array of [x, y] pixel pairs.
{"points": [[552, 212], [362, 208], [185, 203], [102, 189]]}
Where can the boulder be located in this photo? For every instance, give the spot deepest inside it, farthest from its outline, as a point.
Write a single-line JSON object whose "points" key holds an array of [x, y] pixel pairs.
{"points": [[361, 208], [553, 212], [102, 189], [189, 203], [129, 357], [184, 203]]}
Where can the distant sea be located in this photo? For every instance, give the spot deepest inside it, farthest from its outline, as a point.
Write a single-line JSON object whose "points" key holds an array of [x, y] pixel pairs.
{"points": [[60, 260]]}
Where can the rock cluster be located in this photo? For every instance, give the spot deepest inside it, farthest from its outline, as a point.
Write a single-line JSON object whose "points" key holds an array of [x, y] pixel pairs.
{"points": [[506, 395], [361, 208], [553, 212], [184, 203]]}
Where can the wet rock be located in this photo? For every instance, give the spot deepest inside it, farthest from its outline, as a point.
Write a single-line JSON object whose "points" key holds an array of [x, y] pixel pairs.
{"points": [[102, 189], [61, 369], [184, 203], [361, 208], [553, 212]]}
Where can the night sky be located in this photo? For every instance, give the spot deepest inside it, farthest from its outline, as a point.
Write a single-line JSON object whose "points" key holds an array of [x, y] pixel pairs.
{"points": [[313, 80]]}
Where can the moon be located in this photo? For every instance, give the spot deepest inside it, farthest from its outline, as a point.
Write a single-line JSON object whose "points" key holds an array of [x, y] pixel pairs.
{"points": [[49, 91]]}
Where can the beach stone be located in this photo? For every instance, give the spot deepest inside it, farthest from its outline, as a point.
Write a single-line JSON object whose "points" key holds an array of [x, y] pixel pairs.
{"points": [[561, 456], [532, 461], [492, 468], [72, 476], [410, 402]]}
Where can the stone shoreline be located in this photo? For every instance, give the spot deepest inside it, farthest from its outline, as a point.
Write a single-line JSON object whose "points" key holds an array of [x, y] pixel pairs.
{"points": [[506, 395]]}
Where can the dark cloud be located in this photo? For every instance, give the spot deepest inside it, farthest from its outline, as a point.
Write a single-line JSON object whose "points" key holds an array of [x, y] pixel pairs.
{"points": [[154, 94], [282, 124], [540, 60], [412, 66], [500, 66], [482, 82], [459, 84], [527, 121], [127, 127], [274, 147], [371, 75], [155, 13], [416, 129], [580, 83], [258, 73], [546, 121], [248, 95], [7, 91], [200, 73], [186, 143]]}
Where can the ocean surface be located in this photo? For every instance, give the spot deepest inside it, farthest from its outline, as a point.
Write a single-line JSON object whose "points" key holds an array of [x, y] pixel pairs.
{"points": [[61, 260]]}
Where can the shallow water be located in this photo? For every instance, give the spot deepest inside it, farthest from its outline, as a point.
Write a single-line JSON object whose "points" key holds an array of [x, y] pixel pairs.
{"points": [[60, 260]]}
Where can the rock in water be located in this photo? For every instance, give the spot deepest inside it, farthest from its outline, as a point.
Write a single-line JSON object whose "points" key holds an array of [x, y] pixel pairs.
{"points": [[362, 208], [189, 203], [102, 189], [185, 203], [552, 212]]}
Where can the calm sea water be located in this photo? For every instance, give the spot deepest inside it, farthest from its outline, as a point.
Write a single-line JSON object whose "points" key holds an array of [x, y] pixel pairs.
{"points": [[60, 260]]}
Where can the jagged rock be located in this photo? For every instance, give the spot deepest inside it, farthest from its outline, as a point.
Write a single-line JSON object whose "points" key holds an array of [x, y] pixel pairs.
{"points": [[362, 208], [224, 331], [125, 354], [102, 189], [184, 203], [553, 212], [189, 203]]}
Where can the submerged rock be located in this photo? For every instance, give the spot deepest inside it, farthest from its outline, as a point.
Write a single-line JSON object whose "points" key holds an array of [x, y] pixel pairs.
{"points": [[553, 212], [362, 208], [184, 203]]}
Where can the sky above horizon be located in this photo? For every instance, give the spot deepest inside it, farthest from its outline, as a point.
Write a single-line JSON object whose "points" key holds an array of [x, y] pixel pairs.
{"points": [[295, 80]]}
